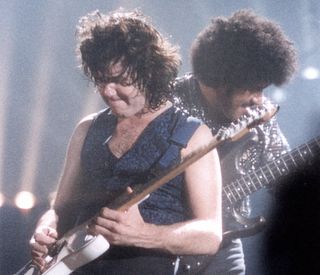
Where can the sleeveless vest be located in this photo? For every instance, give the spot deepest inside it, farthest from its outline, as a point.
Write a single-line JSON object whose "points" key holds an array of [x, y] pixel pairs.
{"points": [[157, 148]]}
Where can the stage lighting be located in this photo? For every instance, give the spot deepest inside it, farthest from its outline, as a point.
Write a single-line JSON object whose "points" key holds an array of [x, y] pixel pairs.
{"points": [[24, 200], [311, 73], [278, 95], [2, 199]]}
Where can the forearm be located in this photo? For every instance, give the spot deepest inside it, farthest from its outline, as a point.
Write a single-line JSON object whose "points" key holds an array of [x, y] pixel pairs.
{"points": [[48, 219], [192, 237]]}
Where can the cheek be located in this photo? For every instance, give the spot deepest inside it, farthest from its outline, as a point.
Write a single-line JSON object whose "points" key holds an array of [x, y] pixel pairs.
{"points": [[140, 101]]}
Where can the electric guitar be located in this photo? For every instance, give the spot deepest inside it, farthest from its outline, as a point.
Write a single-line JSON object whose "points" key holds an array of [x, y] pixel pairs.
{"points": [[76, 248], [263, 177]]}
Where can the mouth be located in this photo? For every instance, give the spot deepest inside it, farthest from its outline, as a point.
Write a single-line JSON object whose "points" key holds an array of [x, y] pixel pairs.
{"points": [[246, 105]]}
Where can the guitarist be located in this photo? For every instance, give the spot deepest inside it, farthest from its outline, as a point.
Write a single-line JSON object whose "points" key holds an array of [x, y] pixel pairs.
{"points": [[138, 135], [234, 59]]}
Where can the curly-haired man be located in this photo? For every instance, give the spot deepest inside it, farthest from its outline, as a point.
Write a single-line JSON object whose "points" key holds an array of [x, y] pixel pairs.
{"points": [[121, 148], [234, 59]]}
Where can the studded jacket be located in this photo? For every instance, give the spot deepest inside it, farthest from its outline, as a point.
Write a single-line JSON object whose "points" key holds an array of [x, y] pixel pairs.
{"points": [[265, 142]]}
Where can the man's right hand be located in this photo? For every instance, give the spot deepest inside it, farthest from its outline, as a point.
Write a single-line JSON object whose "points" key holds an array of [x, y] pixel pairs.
{"points": [[42, 238]]}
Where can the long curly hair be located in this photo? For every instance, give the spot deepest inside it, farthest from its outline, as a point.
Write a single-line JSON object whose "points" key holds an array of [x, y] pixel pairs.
{"points": [[243, 52], [147, 58]]}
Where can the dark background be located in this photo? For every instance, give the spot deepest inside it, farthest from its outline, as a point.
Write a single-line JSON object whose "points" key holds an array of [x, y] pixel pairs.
{"points": [[43, 94]]}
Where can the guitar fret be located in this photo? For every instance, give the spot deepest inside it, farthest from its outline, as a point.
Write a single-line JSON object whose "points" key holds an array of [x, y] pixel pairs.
{"points": [[227, 193], [276, 167], [316, 147], [244, 184], [252, 182], [267, 174], [264, 175], [230, 193], [309, 149], [236, 190], [293, 161], [300, 159], [249, 184], [257, 177], [302, 155], [271, 172], [281, 161], [288, 159], [243, 192], [239, 189]]}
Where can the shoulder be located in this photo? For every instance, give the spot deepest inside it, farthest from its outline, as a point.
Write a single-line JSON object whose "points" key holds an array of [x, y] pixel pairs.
{"points": [[201, 137], [84, 124], [186, 121]]}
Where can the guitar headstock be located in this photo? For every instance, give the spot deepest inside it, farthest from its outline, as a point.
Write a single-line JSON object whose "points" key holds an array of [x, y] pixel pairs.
{"points": [[256, 115]]}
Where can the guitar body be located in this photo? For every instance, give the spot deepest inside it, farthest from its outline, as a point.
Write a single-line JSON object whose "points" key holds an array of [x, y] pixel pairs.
{"points": [[238, 184], [236, 221], [77, 250], [69, 260]]}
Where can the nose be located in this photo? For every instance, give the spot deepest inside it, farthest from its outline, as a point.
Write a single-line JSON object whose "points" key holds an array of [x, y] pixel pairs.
{"points": [[110, 90], [256, 98]]}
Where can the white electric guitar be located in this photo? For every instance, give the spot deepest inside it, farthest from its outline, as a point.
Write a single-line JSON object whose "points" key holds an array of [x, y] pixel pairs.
{"points": [[76, 248]]}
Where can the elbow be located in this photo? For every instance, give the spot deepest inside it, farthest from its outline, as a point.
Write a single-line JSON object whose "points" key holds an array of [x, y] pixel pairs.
{"points": [[214, 238], [215, 242]]}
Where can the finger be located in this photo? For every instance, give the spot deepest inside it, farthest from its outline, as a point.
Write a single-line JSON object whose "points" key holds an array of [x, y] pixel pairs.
{"points": [[53, 233], [38, 249], [48, 231], [96, 229], [129, 190], [110, 225], [40, 263], [110, 214], [43, 239], [136, 204], [111, 237]]}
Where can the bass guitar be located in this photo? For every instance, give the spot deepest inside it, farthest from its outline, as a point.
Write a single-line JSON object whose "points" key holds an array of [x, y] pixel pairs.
{"points": [[264, 176], [76, 248]]}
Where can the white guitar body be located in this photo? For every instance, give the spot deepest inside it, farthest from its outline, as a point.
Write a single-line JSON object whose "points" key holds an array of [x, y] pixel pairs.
{"points": [[78, 250], [69, 260]]}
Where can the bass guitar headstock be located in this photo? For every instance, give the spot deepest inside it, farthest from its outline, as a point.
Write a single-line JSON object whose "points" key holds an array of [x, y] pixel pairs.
{"points": [[256, 115]]}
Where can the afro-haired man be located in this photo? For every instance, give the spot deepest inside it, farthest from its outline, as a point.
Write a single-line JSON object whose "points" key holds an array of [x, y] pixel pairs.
{"points": [[233, 60]]}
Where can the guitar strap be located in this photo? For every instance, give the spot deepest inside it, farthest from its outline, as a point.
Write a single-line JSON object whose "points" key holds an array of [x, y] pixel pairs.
{"points": [[181, 134]]}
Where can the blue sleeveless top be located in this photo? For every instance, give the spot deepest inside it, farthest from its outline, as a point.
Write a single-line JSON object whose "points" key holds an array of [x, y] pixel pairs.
{"points": [[158, 147]]}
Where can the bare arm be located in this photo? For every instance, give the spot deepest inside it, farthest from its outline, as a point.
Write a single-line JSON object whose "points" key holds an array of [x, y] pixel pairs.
{"points": [[45, 232], [202, 234]]}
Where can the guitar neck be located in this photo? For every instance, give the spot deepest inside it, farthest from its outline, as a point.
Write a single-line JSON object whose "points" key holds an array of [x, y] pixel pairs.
{"points": [[269, 173], [233, 132], [139, 192]]}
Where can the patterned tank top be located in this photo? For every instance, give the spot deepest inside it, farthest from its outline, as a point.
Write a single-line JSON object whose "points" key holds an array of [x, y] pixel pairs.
{"points": [[158, 147]]}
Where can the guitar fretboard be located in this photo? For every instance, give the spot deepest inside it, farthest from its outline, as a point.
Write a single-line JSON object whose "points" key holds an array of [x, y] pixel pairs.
{"points": [[269, 173]]}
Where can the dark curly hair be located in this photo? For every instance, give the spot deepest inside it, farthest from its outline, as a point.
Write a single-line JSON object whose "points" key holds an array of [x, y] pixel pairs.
{"points": [[147, 58], [243, 52]]}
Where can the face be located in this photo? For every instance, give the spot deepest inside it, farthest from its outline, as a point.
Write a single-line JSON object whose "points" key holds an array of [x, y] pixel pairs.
{"points": [[230, 106], [235, 105], [123, 100]]}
